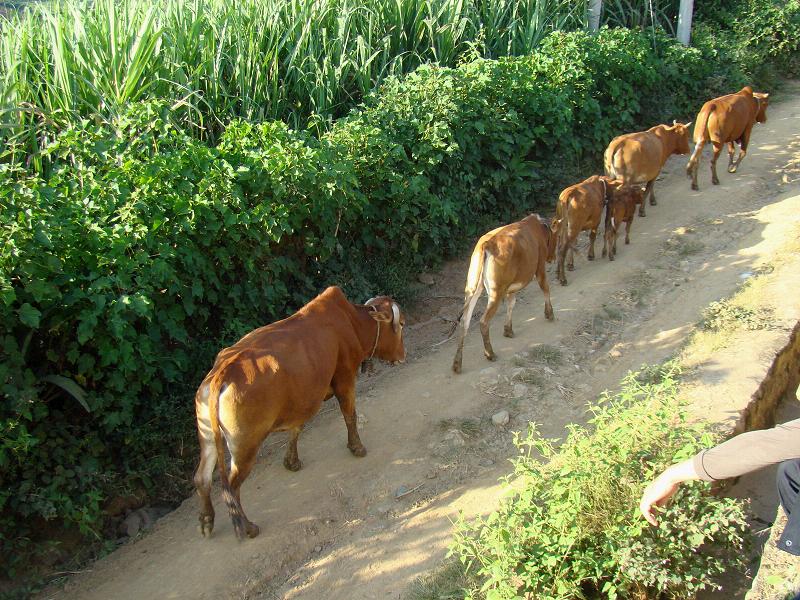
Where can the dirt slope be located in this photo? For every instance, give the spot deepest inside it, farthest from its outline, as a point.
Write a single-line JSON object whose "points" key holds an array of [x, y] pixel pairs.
{"points": [[335, 530]]}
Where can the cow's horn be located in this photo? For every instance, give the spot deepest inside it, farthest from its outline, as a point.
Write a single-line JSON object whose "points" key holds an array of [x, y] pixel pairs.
{"points": [[395, 317], [370, 301], [689, 123]]}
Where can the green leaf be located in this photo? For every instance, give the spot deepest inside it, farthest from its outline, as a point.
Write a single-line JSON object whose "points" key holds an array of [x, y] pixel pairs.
{"points": [[69, 386], [29, 316]]}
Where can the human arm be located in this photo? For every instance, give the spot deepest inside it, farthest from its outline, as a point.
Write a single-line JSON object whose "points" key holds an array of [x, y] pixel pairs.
{"points": [[741, 454]]}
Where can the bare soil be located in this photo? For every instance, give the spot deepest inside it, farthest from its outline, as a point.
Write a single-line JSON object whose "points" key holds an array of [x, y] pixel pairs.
{"points": [[349, 528]]}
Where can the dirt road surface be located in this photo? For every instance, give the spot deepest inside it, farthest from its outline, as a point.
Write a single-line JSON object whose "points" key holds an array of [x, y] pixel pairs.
{"points": [[337, 530]]}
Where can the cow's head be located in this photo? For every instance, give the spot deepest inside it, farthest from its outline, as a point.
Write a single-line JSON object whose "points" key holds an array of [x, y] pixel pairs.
{"points": [[389, 339], [763, 102], [680, 134]]}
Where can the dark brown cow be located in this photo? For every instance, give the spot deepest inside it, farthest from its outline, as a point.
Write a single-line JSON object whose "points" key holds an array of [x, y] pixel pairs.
{"points": [[275, 379], [621, 209], [580, 208], [638, 157], [504, 261], [726, 120]]}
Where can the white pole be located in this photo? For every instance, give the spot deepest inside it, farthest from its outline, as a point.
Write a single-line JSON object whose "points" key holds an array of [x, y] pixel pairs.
{"points": [[685, 21], [595, 7]]}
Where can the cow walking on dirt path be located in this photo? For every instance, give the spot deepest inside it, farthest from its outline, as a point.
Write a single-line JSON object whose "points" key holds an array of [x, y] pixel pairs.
{"points": [[727, 120], [637, 158], [276, 378]]}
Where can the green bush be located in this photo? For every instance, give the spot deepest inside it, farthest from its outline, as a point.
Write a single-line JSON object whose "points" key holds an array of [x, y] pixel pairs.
{"points": [[139, 251], [571, 527]]}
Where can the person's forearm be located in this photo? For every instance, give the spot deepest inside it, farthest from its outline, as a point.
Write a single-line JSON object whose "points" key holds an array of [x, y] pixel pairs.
{"points": [[749, 452]]}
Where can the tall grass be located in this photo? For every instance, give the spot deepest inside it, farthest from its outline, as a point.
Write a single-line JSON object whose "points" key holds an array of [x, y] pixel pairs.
{"points": [[256, 59]]}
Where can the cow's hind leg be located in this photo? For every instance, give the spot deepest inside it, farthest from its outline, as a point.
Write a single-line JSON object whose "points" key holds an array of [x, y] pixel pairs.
{"points": [[346, 395], [470, 300], [648, 191], [562, 257], [541, 277], [714, 158], [592, 238], [743, 143], [291, 459], [628, 223], [491, 309], [508, 329], [731, 152], [691, 167], [202, 481], [242, 460]]}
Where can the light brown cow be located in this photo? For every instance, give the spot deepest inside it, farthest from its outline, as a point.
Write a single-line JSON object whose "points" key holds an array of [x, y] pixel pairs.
{"points": [[276, 377], [638, 157], [726, 120], [621, 209], [580, 208], [504, 261]]}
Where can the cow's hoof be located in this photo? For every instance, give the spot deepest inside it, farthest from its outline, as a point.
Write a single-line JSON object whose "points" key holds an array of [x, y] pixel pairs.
{"points": [[653, 202], [252, 530], [359, 451], [641, 213], [627, 242], [732, 169], [509, 333], [295, 465], [570, 267], [590, 257], [715, 181], [490, 356], [563, 281], [456, 367], [206, 525], [695, 187], [549, 315], [610, 257]]}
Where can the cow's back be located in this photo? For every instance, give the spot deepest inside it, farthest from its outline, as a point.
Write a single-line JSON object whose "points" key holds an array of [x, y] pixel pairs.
{"points": [[517, 249], [724, 119], [634, 157]]}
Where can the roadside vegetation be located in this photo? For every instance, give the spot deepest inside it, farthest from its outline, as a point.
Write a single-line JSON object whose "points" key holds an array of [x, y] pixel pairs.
{"points": [[570, 529], [166, 192]]}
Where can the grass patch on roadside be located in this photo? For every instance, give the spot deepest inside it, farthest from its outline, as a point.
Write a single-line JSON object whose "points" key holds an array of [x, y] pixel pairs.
{"points": [[468, 427]]}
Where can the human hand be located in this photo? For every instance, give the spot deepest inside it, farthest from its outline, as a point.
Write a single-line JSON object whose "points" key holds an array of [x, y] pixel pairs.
{"points": [[663, 487]]}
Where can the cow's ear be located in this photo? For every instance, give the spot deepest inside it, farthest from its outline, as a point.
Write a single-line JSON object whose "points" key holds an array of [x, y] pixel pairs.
{"points": [[381, 317]]}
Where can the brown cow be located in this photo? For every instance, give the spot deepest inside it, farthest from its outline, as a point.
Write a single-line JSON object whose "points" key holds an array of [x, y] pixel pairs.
{"points": [[504, 261], [638, 157], [621, 209], [723, 121], [275, 379], [580, 208]]}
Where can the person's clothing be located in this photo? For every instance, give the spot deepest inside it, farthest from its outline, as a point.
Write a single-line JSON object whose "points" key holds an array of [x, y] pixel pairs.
{"points": [[756, 449], [749, 452], [789, 492]]}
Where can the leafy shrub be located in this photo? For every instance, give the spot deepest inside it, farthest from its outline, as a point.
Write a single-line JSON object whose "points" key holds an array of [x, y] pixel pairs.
{"points": [[571, 529]]}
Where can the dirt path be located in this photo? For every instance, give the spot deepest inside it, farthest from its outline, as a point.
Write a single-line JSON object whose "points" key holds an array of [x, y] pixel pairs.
{"points": [[335, 530]]}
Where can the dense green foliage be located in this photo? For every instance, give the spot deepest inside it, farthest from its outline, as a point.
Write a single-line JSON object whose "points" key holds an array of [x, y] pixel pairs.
{"points": [[214, 60], [140, 250], [571, 528]]}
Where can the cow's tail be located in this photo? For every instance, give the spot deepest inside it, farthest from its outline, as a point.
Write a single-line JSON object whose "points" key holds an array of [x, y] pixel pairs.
{"points": [[231, 501], [474, 281], [701, 136], [608, 161]]}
